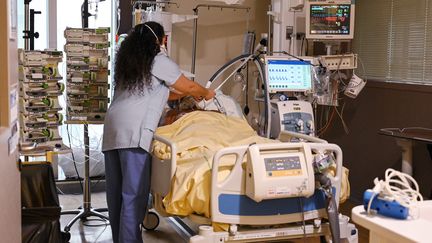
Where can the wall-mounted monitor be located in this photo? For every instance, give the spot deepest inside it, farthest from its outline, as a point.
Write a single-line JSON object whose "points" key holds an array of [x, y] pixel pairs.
{"points": [[288, 75], [330, 19]]}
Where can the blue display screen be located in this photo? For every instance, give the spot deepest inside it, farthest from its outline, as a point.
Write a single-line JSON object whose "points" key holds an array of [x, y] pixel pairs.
{"points": [[288, 75]]}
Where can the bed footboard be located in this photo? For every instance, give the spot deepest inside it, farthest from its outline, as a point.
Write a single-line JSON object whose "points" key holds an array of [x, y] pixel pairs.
{"points": [[231, 205]]}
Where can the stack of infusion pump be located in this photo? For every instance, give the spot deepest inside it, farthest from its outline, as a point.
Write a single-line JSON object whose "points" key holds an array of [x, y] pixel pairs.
{"points": [[87, 73], [40, 88]]}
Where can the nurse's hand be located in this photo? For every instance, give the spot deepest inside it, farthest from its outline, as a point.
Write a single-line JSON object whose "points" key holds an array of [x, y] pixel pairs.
{"points": [[211, 93]]}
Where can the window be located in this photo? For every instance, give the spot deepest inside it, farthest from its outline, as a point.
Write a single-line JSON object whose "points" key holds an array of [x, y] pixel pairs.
{"points": [[40, 23], [393, 39]]}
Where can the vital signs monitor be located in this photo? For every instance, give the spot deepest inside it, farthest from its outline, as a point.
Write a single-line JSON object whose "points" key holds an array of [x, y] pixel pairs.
{"points": [[330, 19], [288, 75]]}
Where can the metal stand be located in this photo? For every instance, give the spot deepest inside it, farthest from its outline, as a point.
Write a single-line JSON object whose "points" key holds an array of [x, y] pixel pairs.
{"points": [[195, 27], [29, 31], [86, 210]]}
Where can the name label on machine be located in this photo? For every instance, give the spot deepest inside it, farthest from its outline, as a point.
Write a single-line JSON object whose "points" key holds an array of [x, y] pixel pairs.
{"points": [[283, 166]]}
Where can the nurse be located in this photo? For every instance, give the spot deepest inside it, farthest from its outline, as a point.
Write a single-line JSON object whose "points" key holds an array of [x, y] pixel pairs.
{"points": [[144, 75]]}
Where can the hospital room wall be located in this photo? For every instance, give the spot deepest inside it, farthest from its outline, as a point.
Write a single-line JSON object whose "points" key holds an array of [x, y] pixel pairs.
{"points": [[220, 34], [220, 38], [10, 203], [368, 154]]}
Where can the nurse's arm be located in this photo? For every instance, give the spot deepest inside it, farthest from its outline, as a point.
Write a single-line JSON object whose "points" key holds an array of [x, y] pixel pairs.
{"points": [[189, 87], [173, 95]]}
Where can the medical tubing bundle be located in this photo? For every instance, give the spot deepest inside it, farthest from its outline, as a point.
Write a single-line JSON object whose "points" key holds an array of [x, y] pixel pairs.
{"points": [[322, 161], [395, 196], [331, 206]]}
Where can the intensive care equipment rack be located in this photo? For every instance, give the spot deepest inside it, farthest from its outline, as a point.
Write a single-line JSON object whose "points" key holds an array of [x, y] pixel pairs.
{"points": [[87, 60], [39, 89]]}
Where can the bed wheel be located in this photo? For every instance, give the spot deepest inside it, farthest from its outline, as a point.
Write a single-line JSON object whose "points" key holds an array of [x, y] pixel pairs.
{"points": [[151, 221]]}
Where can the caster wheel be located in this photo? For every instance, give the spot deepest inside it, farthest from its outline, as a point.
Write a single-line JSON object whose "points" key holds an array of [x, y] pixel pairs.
{"points": [[151, 221]]}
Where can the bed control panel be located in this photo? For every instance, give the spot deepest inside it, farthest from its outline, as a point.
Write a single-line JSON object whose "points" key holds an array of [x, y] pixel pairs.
{"points": [[279, 171]]}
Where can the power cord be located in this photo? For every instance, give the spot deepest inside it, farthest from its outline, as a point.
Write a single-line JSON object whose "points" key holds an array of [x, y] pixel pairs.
{"points": [[73, 158], [303, 218], [104, 222], [397, 186], [101, 233]]}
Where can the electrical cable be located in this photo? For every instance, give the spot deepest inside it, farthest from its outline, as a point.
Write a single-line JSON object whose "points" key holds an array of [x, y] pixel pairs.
{"points": [[73, 158], [363, 69], [61, 192], [303, 218], [301, 46], [80, 145], [298, 58], [314, 104], [246, 107], [327, 125], [370, 202], [345, 126], [326, 116], [106, 226], [320, 123], [398, 186], [105, 222]]}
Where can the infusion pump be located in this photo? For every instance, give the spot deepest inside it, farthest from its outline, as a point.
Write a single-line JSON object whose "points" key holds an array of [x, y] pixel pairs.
{"points": [[279, 171]]}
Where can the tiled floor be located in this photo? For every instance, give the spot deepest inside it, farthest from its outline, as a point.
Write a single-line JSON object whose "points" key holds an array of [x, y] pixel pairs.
{"points": [[95, 230]]}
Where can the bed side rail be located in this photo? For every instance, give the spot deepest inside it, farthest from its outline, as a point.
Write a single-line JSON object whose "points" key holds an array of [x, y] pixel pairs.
{"points": [[163, 170]]}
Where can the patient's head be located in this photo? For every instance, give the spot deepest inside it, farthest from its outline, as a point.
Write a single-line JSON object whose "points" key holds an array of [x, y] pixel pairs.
{"points": [[178, 109]]}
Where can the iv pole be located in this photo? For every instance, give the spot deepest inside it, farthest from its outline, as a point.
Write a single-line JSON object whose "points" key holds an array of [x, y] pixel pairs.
{"points": [[29, 33], [195, 27], [85, 210]]}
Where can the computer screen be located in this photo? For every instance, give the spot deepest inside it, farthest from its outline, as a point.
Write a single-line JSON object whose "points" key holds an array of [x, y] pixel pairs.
{"points": [[284, 75], [330, 21]]}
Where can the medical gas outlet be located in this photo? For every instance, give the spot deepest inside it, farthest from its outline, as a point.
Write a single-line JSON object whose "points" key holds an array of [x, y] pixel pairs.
{"points": [[275, 171]]}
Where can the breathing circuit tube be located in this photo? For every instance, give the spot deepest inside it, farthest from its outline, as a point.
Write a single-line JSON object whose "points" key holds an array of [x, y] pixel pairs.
{"points": [[331, 207]]}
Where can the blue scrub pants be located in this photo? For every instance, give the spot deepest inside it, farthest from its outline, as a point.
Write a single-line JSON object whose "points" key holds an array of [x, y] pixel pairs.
{"points": [[127, 173]]}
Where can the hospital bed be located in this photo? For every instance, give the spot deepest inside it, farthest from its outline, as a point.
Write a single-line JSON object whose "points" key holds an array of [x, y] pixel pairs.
{"points": [[239, 201]]}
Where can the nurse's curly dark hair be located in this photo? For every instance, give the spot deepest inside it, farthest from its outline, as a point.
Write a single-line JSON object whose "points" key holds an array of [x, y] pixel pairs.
{"points": [[134, 59]]}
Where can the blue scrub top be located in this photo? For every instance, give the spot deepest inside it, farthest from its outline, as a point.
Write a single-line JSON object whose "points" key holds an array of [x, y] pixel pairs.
{"points": [[132, 118]]}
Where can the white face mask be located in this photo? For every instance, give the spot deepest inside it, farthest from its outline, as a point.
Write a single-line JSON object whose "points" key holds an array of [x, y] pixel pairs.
{"points": [[163, 50]]}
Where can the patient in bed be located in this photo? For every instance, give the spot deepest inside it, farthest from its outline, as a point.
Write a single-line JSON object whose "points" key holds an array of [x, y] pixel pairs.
{"points": [[220, 103], [177, 109], [198, 135]]}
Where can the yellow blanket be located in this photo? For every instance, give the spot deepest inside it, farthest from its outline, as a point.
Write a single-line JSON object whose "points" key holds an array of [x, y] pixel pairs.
{"points": [[198, 135]]}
